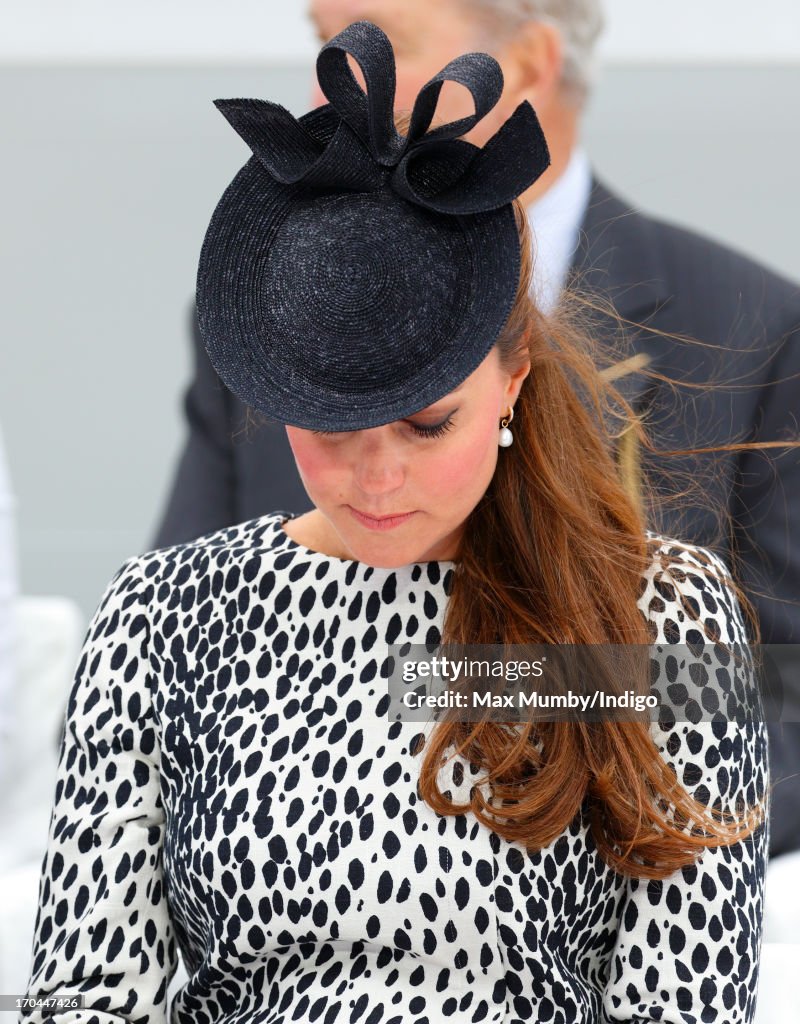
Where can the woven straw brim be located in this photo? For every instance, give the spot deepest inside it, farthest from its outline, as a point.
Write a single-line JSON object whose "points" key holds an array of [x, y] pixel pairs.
{"points": [[348, 310]]}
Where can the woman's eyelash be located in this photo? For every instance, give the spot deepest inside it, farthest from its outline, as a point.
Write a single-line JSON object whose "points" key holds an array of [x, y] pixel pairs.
{"points": [[437, 430]]}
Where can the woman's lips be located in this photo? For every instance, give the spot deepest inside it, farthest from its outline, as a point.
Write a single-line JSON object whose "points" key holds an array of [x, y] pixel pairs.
{"points": [[385, 523]]}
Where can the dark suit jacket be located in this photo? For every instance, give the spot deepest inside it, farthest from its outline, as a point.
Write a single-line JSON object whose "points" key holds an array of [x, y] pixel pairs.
{"points": [[664, 279]]}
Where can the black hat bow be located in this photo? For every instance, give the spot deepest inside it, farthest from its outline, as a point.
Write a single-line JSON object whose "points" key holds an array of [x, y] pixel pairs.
{"points": [[352, 142]]}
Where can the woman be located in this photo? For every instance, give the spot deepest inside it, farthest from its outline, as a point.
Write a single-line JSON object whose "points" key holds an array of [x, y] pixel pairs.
{"points": [[230, 783]]}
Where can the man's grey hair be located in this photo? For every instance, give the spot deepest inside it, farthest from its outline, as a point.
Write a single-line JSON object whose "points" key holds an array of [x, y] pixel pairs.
{"points": [[580, 22]]}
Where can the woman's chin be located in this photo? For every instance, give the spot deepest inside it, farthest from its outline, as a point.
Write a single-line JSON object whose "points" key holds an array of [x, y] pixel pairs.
{"points": [[388, 554], [391, 544], [383, 551]]}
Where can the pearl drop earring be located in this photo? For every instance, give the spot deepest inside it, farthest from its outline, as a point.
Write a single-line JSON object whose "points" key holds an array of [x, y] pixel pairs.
{"points": [[506, 438]]}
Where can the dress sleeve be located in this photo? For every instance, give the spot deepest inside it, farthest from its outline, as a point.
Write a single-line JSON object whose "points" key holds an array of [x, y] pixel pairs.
{"points": [[688, 945], [102, 926]]}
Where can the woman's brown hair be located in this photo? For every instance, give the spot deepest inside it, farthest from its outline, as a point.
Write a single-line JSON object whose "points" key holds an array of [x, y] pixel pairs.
{"points": [[555, 552]]}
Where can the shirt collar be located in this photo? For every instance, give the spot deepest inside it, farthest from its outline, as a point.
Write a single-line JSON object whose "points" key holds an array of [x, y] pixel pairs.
{"points": [[556, 219]]}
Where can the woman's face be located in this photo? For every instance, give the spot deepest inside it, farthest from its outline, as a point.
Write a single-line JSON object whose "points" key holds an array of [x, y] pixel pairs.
{"points": [[431, 468]]}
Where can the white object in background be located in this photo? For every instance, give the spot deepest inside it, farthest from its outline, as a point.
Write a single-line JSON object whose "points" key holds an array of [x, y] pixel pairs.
{"points": [[778, 1000], [49, 631], [19, 891], [176, 32], [782, 903], [191, 31], [778, 996], [8, 593]]}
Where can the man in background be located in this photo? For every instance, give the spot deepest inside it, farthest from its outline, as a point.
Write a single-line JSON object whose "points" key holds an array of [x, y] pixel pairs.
{"points": [[669, 281]]}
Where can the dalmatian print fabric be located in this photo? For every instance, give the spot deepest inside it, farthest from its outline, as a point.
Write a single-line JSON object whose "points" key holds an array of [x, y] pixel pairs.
{"points": [[230, 788]]}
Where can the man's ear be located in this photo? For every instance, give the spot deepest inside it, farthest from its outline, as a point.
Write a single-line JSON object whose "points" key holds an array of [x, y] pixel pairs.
{"points": [[532, 61]]}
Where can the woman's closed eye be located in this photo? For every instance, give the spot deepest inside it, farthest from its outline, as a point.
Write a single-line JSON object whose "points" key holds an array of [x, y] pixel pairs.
{"points": [[435, 430]]}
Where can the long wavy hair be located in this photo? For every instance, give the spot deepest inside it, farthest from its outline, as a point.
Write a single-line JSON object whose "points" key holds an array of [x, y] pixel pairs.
{"points": [[555, 553]]}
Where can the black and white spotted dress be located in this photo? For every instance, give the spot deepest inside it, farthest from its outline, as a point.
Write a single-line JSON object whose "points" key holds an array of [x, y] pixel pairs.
{"points": [[230, 786]]}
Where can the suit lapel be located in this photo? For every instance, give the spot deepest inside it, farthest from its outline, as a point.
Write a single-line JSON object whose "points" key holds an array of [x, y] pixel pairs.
{"points": [[618, 259], [618, 256]]}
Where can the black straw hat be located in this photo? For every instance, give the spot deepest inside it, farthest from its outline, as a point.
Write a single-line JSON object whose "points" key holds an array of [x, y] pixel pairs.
{"points": [[351, 276]]}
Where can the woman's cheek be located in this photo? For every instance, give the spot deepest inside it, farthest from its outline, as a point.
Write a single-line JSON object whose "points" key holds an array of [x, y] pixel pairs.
{"points": [[314, 463], [464, 467], [445, 467]]}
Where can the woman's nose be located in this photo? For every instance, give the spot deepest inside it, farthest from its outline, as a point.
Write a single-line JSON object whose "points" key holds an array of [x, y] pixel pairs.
{"points": [[379, 467]]}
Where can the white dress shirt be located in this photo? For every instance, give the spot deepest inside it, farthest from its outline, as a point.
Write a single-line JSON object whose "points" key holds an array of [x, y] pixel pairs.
{"points": [[556, 219]]}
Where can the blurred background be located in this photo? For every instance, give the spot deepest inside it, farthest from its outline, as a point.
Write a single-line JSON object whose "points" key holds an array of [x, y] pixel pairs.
{"points": [[114, 158]]}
